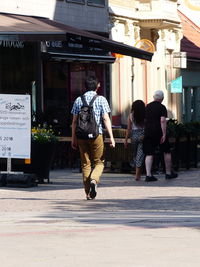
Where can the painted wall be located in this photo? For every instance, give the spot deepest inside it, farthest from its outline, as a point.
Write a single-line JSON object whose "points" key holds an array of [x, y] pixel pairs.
{"points": [[158, 22]]}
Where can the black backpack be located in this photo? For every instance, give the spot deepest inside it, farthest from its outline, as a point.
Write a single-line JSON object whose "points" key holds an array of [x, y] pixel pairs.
{"points": [[87, 127]]}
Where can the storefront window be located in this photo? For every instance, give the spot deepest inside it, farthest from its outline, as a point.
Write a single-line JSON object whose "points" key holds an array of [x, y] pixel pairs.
{"points": [[18, 67], [79, 71], [18, 70], [57, 96]]}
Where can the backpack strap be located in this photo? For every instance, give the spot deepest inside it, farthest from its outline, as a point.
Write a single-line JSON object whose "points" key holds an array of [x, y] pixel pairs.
{"points": [[84, 101], [93, 99], [91, 102]]}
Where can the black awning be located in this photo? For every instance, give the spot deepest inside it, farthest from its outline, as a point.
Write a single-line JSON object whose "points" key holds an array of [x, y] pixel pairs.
{"points": [[27, 28], [116, 47]]}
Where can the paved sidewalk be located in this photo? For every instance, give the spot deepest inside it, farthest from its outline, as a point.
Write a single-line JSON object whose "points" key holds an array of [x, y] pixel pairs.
{"points": [[129, 224]]}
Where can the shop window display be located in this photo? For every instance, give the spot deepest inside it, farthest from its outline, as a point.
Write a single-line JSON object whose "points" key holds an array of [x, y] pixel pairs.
{"points": [[78, 73], [56, 96], [17, 68]]}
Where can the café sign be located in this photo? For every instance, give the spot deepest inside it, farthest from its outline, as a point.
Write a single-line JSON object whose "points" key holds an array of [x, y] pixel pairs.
{"points": [[12, 44], [76, 45], [15, 126]]}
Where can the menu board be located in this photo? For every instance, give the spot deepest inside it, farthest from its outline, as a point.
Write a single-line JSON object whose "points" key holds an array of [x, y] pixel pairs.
{"points": [[15, 126]]}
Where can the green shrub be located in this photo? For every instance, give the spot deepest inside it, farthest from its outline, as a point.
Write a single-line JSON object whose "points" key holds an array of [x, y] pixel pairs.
{"points": [[175, 129]]}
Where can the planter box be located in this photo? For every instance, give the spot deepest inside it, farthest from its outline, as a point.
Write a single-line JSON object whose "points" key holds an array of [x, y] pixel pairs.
{"points": [[185, 152], [41, 159], [119, 156]]}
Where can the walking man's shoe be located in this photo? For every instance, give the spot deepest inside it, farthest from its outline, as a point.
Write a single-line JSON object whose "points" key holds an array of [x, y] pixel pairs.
{"points": [[93, 189], [150, 179], [171, 176]]}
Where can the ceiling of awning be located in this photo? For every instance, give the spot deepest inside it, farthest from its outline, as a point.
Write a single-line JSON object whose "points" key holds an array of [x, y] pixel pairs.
{"points": [[79, 57], [26, 28]]}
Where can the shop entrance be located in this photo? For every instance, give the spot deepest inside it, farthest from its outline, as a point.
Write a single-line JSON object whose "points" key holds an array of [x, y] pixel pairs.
{"points": [[63, 83]]}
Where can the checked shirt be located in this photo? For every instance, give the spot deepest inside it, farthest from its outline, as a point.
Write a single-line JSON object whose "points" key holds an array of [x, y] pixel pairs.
{"points": [[100, 107]]}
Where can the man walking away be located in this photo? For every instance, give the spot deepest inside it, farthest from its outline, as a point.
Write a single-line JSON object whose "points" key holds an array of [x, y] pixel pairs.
{"points": [[91, 148], [155, 135]]}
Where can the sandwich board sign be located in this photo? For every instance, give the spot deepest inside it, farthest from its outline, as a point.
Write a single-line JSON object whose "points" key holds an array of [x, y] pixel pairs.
{"points": [[15, 126]]}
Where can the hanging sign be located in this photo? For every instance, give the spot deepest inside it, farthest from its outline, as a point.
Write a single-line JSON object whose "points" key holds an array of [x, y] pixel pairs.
{"points": [[15, 126], [177, 85], [145, 45], [180, 60]]}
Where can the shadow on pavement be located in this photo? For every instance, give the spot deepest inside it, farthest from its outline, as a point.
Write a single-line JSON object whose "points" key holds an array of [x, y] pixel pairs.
{"points": [[121, 201], [152, 212], [157, 211]]}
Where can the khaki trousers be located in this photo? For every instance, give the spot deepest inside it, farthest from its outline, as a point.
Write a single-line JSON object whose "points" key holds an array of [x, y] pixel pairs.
{"points": [[92, 160]]}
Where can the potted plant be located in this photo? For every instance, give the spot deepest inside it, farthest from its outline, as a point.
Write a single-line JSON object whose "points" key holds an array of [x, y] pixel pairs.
{"points": [[43, 143], [43, 134]]}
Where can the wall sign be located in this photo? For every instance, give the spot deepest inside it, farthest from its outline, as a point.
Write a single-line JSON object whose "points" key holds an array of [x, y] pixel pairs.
{"points": [[76, 45], [15, 126], [177, 85], [180, 60], [10, 44]]}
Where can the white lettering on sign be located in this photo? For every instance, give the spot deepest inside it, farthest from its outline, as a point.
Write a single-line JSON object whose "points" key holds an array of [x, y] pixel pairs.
{"points": [[75, 45], [54, 44], [14, 44]]}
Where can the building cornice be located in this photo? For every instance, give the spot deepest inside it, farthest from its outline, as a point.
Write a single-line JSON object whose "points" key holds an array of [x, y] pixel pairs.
{"points": [[148, 23], [123, 19], [159, 23]]}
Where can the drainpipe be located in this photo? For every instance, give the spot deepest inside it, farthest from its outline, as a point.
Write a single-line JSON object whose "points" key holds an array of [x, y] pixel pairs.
{"points": [[120, 103], [170, 76], [146, 88], [144, 63], [119, 110], [132, 80], [171, 73], [111, 90]]}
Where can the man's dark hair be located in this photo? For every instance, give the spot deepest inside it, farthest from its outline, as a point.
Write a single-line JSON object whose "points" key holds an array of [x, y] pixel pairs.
{"points": [[138, 110], [91, 83]]}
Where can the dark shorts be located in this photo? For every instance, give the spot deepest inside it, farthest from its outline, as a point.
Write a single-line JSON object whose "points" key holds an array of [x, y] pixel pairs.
{"points": [[150, 145]]}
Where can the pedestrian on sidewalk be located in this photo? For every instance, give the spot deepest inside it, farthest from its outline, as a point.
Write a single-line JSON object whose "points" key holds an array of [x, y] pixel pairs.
{"points": [[92, 149], [135, 130], [155, 135]]}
